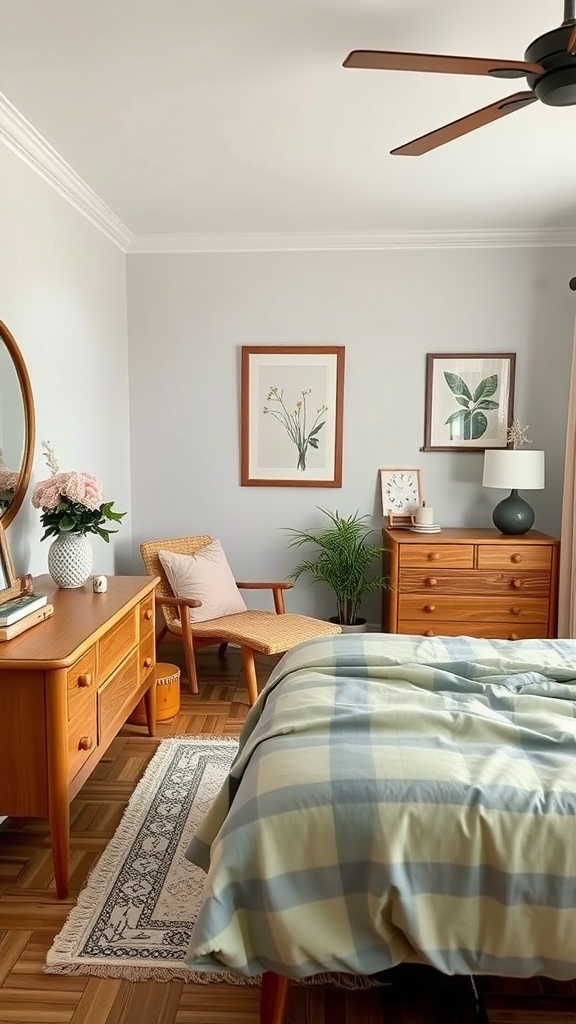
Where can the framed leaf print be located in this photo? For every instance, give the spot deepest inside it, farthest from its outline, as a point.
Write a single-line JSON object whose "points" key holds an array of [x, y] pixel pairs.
{"points": [[469, 401]]}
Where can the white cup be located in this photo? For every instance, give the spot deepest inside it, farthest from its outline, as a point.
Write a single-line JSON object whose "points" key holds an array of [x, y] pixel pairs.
{"points": [[99, 584], [424, 516]]}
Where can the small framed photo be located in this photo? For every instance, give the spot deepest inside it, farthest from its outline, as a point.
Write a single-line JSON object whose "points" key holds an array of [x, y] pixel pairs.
{"points": [[11, 586], [469, 401], [292, 401], [401, 495]]}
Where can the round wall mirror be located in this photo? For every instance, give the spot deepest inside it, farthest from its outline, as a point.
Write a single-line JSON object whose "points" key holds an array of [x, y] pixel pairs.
{"points": [[17, 427]]}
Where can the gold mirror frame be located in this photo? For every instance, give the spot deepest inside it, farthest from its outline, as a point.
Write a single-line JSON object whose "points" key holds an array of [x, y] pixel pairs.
{"points": [[29, 426]]}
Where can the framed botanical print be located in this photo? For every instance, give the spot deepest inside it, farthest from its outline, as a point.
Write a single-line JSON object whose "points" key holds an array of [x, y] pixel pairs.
{"points": [[401, 494], [292, 402], [469, 401]]}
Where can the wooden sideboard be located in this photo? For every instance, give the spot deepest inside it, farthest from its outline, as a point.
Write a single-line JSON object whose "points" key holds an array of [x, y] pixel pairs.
{"points": [[470, 582], [66, 687]]}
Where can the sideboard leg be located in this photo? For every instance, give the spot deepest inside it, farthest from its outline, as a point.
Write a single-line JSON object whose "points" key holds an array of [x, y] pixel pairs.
{"points": [[273, 998], [60, 835], [58, 792]]}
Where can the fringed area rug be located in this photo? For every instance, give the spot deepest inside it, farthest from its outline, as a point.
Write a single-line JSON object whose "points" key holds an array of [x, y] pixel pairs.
{"points": [[135, 915]]}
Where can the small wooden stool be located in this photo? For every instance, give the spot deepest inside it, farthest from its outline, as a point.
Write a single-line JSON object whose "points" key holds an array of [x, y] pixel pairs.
{"points": [[167, 696]]}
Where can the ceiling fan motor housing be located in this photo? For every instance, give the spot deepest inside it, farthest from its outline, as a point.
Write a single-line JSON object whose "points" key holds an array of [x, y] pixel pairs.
{"points": [[557, 86]]}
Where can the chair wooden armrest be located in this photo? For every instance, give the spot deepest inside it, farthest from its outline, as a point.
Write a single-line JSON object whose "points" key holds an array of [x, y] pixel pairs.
{"points": [[186, 602], [264, 586], [276, 589]]}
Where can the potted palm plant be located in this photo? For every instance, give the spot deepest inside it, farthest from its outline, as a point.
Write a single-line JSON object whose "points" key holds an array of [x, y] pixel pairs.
{"points": [[343, 561]]}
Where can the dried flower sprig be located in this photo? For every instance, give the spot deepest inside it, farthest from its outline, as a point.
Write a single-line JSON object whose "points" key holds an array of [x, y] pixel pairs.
{"points": [[50, 457], [517, 435]]}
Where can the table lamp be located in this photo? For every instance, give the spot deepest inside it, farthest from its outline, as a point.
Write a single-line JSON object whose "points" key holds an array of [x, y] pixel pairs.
{"points": [[513, 468]]}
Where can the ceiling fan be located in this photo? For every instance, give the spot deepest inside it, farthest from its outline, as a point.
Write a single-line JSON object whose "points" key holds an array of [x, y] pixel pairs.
{"points": [[549, 67]]}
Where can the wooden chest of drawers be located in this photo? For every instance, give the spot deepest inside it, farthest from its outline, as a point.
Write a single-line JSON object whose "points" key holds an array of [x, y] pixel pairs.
{"points": [[470, 582], [66, 688]]}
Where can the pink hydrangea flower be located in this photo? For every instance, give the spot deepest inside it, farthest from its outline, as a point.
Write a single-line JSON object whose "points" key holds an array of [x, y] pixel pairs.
{"points": [[8, 479], [81, 488], [72, 502]]}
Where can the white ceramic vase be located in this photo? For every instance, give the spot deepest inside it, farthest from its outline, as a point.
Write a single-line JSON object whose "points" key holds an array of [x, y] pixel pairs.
{"points": [[70, 560]]}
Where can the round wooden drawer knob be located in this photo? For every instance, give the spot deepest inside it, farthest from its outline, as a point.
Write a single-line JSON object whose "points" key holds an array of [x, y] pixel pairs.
{"points": [[433, 556], [85, 680], [431, 582], [515, 610], [85, 743], [516, 584], [516, 558], [428, 632], [429, 607], [513, 636], [148, 614], [148, 662]]}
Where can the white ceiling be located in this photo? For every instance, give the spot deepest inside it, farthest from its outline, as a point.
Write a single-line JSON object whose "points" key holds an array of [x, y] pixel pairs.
{"points": [[236, 116]]}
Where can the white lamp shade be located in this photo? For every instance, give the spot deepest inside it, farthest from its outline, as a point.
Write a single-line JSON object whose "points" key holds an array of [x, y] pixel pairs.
{"points": [[513, 469]]}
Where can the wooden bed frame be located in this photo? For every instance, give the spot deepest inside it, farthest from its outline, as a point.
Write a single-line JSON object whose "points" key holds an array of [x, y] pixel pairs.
{"points": [[276, 989]]}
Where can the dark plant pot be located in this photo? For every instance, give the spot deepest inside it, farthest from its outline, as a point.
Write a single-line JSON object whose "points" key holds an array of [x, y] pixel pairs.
{"points": [[360, 626]]}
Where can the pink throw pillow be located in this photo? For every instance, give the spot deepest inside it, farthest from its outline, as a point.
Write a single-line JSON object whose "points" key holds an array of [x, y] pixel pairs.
{"points": [[206, 576]]}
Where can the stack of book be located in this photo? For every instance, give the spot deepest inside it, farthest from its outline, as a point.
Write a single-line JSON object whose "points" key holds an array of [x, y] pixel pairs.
{"points": [[21, 613]]}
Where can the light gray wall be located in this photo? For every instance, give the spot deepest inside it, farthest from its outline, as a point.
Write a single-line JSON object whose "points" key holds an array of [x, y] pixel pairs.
{"points": [[189, 315], [63, 296]]}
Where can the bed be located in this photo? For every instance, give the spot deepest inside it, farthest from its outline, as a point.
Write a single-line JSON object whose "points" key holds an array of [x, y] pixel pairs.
{"points": [[398, 799]]}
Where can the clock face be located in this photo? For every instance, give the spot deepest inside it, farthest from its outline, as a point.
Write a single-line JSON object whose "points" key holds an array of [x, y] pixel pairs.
{"points": [[401, 491]]}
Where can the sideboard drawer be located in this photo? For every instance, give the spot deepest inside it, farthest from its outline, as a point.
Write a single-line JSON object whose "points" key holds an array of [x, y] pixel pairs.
{"points": [[422, 607], [147, 655], [146, 616], [510, 556], [117, 643], [447, 581], [488, 630], [116, 697], [459, 556], [82, 682], [82, 735]]}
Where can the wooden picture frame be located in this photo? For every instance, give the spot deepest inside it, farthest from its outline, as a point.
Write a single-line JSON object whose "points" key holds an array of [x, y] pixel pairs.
{"points": [[401, 491], [469, 401], [292, 403], [11, 586]]}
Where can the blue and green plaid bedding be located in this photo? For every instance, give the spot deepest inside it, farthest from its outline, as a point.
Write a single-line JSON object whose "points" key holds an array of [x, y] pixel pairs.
{"points": [[398, 798]]}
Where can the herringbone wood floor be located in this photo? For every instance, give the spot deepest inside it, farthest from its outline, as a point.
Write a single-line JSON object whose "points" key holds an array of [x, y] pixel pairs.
{"points": [[30, 914]]}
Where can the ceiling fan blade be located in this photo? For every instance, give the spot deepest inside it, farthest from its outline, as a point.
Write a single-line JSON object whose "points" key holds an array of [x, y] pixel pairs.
{"points": [[572, 41], [469, 123], [391, 60]]}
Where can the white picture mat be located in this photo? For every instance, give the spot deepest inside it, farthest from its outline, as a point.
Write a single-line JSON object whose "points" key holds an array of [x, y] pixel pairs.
{"points": [[271, 453]]}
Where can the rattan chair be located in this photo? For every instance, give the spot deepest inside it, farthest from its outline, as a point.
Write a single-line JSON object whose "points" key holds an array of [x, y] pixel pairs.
{"points": [[254, 631]]}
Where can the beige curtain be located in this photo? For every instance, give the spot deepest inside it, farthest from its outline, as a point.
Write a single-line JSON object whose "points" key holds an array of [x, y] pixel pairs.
{"points": [[567, 585]]}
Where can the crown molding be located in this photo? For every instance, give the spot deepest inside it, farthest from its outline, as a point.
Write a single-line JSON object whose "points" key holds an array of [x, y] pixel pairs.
{"points": [[473, 238], [22, 138]]}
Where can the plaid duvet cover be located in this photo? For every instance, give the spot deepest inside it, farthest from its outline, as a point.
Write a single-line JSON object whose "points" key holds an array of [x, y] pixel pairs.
{"points": [[398, 798]]}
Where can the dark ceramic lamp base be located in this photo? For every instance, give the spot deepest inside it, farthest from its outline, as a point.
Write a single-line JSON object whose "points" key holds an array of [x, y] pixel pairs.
{"points": [[513, 515]]}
